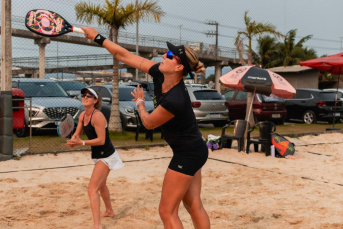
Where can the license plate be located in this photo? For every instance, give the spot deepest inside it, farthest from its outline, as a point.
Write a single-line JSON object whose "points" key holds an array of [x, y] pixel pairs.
{"points": [[337, 114], [57, 122], [276, 116], [215, 115]]}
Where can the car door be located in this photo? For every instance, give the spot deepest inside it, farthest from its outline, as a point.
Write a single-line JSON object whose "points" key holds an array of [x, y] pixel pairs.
{"points": [[300, 103], [240, 102], [228, 96]]}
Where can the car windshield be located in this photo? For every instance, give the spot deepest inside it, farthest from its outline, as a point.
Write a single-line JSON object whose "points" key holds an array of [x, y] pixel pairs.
{"points": [[72, 85], [207, 95], [328, 96], [42, 89], [125, 94]]}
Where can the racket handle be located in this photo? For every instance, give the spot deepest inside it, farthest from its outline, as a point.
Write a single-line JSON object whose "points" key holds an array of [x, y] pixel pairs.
{"points": [[77, 30]]}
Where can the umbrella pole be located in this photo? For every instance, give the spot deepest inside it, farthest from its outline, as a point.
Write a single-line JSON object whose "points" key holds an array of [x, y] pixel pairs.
{"points": [[246, 128], [333, 115]]}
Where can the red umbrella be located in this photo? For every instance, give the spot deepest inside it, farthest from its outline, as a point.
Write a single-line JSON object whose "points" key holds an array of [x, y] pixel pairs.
{"points": [[332, 64]]}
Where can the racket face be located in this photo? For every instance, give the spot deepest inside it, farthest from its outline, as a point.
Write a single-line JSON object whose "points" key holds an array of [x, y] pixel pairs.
{"points": [[46, 23], [65, 126]]}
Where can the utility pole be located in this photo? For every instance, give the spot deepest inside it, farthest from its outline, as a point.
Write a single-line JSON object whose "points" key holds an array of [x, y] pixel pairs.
{"points": [[341, 43], [137, 36], [180, 33], [213, 33]]}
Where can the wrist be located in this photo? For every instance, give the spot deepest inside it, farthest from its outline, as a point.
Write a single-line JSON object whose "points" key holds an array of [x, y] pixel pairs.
{"points": [[99, 39], [139, 101]]}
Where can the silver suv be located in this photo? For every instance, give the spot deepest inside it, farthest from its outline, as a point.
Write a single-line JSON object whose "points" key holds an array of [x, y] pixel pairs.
{"points": [[49, 102], [208, 105]]}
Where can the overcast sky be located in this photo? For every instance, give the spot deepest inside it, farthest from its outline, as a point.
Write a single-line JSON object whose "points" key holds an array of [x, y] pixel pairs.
{"points": [[319, 18]]}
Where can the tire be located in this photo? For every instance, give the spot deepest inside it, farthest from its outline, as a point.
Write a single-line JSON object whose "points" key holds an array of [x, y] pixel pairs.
{"points": [[309, 117], [281, 122], [20, 133]]}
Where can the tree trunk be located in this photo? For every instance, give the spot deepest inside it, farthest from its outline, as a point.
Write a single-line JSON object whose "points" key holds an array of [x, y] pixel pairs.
{"points": [[115, 122]]}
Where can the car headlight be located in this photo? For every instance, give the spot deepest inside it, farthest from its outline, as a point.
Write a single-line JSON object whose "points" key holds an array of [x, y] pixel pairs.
{"points": [[34, 111], [129, 110]]}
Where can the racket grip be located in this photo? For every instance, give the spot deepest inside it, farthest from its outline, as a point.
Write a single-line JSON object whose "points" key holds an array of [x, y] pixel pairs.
{"points": [[77, 30]]}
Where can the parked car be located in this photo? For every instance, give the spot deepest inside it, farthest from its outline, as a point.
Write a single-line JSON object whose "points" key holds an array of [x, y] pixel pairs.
{"points": [[208, 106], [73, 88], [312, 105], [49, 102], [126, 105], [265, 108]]}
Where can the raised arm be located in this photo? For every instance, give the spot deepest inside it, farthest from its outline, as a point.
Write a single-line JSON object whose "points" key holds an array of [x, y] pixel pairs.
{"points": [[123, 55]]}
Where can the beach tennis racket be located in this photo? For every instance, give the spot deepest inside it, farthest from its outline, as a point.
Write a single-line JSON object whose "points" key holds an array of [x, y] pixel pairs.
{"points": [[48, 23], [65, 126]]}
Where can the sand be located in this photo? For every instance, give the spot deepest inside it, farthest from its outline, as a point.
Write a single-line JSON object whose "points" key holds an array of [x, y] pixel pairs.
{"points": [[239, 190]]}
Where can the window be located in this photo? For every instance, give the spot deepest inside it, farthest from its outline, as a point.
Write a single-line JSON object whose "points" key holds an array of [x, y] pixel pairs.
{"points": [[105, 93], [303, 95], [241, 96], [42, 89], [228, 95], [207, 95]]}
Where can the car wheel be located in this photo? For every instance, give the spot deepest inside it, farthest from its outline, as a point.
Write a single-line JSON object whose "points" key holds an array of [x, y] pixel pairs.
{"points": [[281, 122], [309, 117], [20, 132]]}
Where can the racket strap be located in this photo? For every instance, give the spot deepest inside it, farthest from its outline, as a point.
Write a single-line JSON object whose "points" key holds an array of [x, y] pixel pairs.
{"points": [[99, 39]]}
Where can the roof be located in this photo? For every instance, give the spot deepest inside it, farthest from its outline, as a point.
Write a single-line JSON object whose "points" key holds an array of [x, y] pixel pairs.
{"points": [[293, 68]]}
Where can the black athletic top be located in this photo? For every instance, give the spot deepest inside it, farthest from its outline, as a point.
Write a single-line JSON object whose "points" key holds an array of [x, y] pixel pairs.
{"points": [[102, 151], [181, 132]]}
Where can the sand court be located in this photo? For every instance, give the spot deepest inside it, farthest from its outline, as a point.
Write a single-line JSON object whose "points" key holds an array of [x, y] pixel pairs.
{"points": [[239, 190]]}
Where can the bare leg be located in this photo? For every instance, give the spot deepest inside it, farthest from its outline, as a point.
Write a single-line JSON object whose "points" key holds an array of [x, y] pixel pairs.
{"points": [[105, 195], [174, 187], [193, 204], [98, 179]]}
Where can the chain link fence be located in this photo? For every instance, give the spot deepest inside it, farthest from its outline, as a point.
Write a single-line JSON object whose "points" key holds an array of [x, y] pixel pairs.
{"points": [[51, 72]]}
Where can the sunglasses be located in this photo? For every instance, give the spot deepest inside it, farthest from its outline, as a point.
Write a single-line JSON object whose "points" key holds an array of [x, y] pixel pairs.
{"points": [[87, 95], [171, 55]]}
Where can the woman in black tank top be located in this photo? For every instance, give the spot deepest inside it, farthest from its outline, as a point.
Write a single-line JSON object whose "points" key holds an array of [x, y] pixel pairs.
{"points": [[174, 113], [104, 155]]}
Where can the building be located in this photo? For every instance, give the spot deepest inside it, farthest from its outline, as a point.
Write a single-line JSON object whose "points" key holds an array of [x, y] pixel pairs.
{"points": [[299, 76]]}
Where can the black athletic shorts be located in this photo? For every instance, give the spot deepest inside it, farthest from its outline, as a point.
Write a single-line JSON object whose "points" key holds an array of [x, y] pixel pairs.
{"points": [[189, 161]]}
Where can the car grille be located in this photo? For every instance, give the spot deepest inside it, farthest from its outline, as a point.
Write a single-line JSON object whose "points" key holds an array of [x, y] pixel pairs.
{"points": [[59, 112]]}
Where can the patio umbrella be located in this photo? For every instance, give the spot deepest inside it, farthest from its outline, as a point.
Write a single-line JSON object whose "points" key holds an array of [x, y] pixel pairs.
{"points": [[257, 80], [332, 64]]}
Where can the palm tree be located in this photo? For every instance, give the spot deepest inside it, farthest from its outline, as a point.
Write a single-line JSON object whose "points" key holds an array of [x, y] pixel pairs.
{"points": [[252, 29], [290, 53], [266, 50], [115, 16], [294, 52]]}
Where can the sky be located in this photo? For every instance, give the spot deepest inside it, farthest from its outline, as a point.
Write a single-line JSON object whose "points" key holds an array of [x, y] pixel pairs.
{"points": [[188, 20]]}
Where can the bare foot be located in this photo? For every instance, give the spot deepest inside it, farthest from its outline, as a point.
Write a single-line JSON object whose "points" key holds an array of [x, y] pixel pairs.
{"points": [[108, 214]]}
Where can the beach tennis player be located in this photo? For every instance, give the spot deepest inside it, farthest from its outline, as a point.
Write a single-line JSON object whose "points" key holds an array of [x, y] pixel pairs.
{"points": [[174, 113], [104, 155]]}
